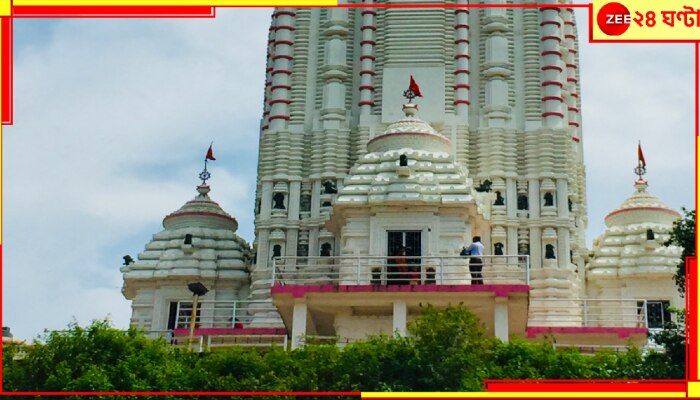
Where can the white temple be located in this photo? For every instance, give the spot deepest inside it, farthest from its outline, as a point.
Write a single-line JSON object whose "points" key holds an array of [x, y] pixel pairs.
{"points": [[350, 172]]}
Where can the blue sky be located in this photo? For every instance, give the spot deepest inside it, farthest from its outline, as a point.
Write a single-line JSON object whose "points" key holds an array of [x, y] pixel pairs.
{"points": [[113, 118]]}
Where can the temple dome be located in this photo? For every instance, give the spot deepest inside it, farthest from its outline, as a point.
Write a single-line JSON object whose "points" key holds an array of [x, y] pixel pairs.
{"points": [[409, 162], [411, 132], [201, 212], [634, 242], [641, 207]]}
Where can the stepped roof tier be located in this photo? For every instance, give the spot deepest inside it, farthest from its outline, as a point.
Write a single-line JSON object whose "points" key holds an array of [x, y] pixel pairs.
{"points": [[201, 212], [409, 163], [641, 207], [198, 242]]}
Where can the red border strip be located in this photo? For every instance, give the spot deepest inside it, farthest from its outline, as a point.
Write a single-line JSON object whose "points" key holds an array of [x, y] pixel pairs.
{"points": [[691, 326], [6, 66], [591, 386], [697, 96], [1, 349], [113, 11], [358, 394]]}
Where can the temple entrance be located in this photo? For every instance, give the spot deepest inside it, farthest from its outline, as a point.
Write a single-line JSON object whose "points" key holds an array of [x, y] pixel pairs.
{"points": [[405, 249]]}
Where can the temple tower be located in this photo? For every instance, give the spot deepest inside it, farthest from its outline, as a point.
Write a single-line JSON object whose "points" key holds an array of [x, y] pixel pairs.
{"points": [[501, 84]]}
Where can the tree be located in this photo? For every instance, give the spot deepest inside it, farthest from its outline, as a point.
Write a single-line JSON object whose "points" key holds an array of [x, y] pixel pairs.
{"points": [[452, 352], [447, 351], [683, 235]]}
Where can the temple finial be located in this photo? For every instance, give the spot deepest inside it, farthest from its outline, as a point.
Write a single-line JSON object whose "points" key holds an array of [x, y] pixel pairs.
{"points": [[204, 175], [413, 91], [641, 168]]}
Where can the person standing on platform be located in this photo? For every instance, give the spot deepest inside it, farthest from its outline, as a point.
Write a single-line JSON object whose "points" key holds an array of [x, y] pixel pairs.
{"points": [[475, 251]]}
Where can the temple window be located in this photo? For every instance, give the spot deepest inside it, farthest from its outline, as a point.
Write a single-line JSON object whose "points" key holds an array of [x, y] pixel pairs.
{"points": [[326, 249], [548, 199], [276, 251], [499, 199], [658, 314], [302, 250], [329, 187], [498, 249], [549, 252], [403, 161], [278, 201], [650, 234], [522, 202]]}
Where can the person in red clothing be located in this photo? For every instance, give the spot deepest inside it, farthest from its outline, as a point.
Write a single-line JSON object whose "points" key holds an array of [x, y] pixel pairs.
{"points": [[400, 266]]}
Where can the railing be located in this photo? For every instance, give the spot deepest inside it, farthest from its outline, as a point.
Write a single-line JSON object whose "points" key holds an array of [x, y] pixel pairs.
{"points": [[211, 342], [385, 270], [214, 341], [623, 313], [326, 340], [591, 349], [227, 314]]}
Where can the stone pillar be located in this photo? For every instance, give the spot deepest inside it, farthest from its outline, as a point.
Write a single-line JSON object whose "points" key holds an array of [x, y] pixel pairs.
{"points": [[298, 324], [511, 198], [571, 93], [535, 248], [500, 319], [282, 69], [462, 56], [399, 318], [367, 60], [266, 200], [496, 27], [535, 232], [563, 244], [316, 199], [263, 248], [552, 66], [563, 248], [313, 242], [268, 78], [294, 197], [511, 243]]}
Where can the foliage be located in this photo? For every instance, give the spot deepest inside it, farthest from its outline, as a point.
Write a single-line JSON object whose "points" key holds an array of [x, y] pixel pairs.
{"points": [[447, 351], [683, 235]]}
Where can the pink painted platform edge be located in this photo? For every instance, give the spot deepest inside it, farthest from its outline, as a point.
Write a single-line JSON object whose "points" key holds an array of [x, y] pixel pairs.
{"points": [[622, 333], [298, 291]]}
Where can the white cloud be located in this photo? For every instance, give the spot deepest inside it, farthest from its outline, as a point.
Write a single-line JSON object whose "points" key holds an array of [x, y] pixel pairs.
{"points": [[112, 121]]}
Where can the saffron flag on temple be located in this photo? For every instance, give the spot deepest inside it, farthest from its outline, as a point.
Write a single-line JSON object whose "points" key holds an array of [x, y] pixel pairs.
{"points": [[413, 86], [210, 153], [640, 155]]}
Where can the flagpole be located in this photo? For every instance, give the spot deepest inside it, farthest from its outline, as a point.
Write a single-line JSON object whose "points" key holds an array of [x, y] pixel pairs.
{"points": [[204, 175]]}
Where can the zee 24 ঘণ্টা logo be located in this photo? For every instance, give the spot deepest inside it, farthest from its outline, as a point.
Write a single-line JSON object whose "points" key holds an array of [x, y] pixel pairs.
{"points": [[614, 18]]}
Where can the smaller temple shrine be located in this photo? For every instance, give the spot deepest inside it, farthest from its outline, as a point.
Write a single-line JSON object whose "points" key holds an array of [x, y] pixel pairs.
{"points": [[630, 259]]}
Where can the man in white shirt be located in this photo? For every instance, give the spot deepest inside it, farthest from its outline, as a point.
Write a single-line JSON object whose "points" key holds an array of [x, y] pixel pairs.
{"points": [[475, 251]]}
